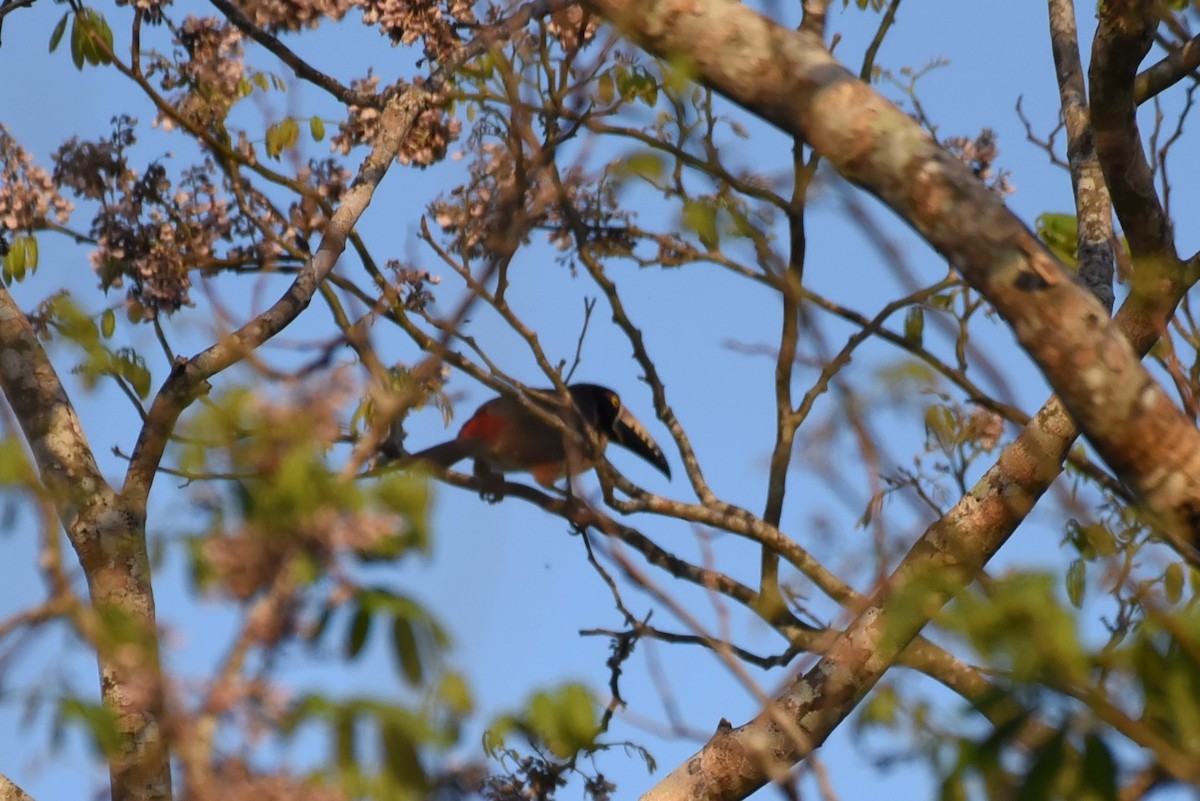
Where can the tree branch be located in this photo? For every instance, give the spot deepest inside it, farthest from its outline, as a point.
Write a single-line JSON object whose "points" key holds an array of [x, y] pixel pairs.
{"points": [[1093, 209], [1123, 39], [11, 792], [1174, 67], [110, 541], [189, 377], [790, 80]]}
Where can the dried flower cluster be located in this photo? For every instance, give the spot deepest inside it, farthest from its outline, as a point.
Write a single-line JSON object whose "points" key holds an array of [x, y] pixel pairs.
{"points": [[299, 509], [293, 15], [473, 213], [29, 197], [414, 285], [435, 23], [432, 133], [308, 215], [147, 231], [209, 70], [980, 155], [153, 8], [572, 26], [238, 782], [985, 428]]}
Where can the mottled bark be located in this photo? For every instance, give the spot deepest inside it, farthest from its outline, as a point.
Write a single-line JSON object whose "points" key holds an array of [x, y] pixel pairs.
{"points": [[110, 542], [11, 792], [1164, 74], [1093, 209]]}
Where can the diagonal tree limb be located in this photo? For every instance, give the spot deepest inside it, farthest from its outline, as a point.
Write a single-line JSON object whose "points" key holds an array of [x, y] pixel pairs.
{"points": [[946, 558], [1162, 75], [189, 377], [11, 792], [789, 79]]}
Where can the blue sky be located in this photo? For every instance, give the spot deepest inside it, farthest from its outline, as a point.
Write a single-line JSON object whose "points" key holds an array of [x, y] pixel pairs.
{"points": [[511, 584]]}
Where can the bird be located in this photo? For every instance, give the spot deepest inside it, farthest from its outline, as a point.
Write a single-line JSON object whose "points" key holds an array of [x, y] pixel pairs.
{"points": [[504, 436]]}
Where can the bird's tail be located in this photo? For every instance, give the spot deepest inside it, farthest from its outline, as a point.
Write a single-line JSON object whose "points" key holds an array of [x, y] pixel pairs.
{"points": [[446, 454]]}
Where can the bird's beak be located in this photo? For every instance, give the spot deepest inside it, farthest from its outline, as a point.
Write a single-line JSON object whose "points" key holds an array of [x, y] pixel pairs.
{"points": [[631, 434]]}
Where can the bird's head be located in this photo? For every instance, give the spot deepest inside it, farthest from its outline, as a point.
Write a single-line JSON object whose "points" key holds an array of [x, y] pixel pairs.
{"points": [[602, 409]]}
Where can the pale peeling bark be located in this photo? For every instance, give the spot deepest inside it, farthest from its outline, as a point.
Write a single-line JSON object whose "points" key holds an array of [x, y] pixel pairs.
{"points": [[1093, 209], [11, 792], [110, 542], [788, 78]]}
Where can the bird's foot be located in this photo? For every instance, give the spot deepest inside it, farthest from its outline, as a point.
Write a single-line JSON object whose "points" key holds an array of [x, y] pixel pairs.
{"points": [[491, 488]]}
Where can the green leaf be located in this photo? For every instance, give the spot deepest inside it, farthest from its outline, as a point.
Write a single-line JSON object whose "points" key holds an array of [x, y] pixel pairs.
{"points": [[14, 263], [1059, 232], [30, 244], [316, 127], [643, 164], [564, 720], [914, 326], [400, 758], [14, 464], [1044, 773], [282, 136], [881, 707], [1173, 582], [59, 30], [942, 425], [90, 26], [701, 217], [1076, 582], [360, 627], [100, 28], [953, 789], [455, 694], [345, 737], [606, 89], [77, 42], [100, 722], [108, 323], [132, 367], [404, 642], [1099, 769]]}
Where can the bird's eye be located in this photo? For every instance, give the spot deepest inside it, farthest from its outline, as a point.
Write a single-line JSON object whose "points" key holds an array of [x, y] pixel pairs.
{"points": [[615, 401]]}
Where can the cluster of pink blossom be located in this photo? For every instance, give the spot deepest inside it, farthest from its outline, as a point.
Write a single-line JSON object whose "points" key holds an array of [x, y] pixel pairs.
{"points": [[148, 231], [292, 15], [426, 144], [434, 23], [29, 198], [211, 72]]}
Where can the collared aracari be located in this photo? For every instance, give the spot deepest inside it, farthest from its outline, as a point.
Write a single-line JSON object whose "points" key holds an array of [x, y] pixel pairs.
{"points": [[505, 436]]}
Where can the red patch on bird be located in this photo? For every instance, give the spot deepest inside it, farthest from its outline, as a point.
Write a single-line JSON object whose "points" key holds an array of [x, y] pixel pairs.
{"points": [[483, 426]]}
